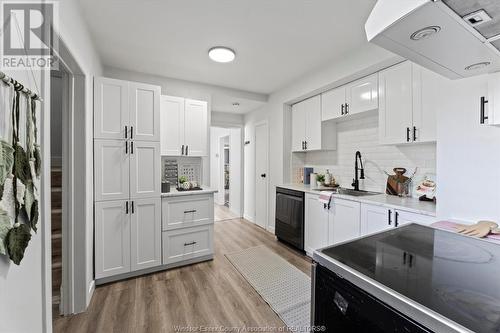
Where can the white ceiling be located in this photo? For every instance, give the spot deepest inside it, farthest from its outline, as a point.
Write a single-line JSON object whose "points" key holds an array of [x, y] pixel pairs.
{"points": [[276, 41], [224, 103]]}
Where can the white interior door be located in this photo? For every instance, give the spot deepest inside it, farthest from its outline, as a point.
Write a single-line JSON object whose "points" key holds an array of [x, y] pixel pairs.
{"points": [[111, 170], [172, 125], [196, 128], [112, 238], [145, 169], [261, 174], [111, 108], [144, 111], [145, 233]]}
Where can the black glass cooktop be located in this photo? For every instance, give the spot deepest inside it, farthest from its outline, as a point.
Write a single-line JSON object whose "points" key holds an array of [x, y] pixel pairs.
{"points": [[454, 275]]}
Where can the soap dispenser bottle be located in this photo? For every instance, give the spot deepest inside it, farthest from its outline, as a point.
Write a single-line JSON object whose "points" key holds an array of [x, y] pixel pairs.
{"points": [[328, 178]]}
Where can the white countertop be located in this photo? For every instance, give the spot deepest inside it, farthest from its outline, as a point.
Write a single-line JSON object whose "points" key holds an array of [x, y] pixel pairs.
{"points": [[391, 201], [174, 193]]}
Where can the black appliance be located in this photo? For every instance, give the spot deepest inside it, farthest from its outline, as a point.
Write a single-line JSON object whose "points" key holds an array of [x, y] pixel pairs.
{"points": [[289, 226], [444, 281], [340, 306]]}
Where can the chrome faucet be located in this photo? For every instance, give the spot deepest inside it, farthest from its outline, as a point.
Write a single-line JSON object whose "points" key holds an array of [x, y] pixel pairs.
{"points": [[355, 181]]}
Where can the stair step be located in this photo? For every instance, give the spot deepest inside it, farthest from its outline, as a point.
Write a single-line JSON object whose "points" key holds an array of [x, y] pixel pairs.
{"points": [[56, 217], [56, 235], [56, 197], [56, 178]]}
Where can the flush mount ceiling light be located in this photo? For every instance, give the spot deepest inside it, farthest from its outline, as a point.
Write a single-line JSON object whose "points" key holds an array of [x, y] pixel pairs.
{"points": [[236, 104], [425, 32], [479, 65], [221, 54]]}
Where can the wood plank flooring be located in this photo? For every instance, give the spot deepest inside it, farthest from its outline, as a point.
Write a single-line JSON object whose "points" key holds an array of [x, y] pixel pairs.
{"points": [[208, 294], [222, 213]]}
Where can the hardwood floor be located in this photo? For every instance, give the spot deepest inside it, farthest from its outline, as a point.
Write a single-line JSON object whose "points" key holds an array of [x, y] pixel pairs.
{"points": [[222, 213], [208, 294]]}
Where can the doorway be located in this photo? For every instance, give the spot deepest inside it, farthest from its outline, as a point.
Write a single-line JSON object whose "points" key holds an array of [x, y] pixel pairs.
{"points": [[261, 174], [226, 171]]}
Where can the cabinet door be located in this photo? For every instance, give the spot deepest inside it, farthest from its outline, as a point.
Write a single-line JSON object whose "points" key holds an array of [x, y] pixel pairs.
{"points": [[145, 169], [145, 233], [298, 127], [144, 111], [362, 95], [313, 122], [375, 219], [332, 103], [111, 109], [112, 238], [111, 170], [395, 104], [344, 221], [196, 128], [172, 125], [316, 224], [427, 99], [403, 218], [493, 106]]}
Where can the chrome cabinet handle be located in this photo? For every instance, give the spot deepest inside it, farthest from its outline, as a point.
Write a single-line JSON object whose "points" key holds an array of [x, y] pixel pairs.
{"points": [[191, 243]]}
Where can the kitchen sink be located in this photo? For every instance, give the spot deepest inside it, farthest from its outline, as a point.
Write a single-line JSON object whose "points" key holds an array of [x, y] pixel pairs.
{"points": [[349, 191]]}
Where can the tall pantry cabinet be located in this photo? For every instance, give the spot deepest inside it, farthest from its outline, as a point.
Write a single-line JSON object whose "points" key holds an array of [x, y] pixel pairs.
{"points": [[127, 170]]}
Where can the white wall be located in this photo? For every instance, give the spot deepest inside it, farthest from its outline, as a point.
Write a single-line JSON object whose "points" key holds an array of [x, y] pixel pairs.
{"points": [[227, 119], [366, 60], [362, 134], [468, 157]]}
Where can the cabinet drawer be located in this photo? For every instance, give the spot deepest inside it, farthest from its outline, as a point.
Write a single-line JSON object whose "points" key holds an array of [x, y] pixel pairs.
{"points": [[187, 211], [188, 243]]}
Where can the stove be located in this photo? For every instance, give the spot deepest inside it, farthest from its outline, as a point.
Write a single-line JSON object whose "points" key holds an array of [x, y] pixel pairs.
{"points": [[429, 274]]}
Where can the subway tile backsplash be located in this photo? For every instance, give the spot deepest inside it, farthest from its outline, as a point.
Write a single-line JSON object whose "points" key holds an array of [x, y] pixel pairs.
{"points": [[362, 134]]}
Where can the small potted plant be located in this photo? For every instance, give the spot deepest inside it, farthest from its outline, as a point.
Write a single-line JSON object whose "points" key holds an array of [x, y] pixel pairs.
{"points": [[320, 179], [183, 183]]}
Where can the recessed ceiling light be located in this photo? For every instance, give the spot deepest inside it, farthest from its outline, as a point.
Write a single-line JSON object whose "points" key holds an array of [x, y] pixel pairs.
{"points": [[236, 104], [221, 54], [425, 32], [479, 65]]}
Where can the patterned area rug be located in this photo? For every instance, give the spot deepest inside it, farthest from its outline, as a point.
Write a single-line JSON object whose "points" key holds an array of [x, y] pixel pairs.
{"points": [[283, 286]]}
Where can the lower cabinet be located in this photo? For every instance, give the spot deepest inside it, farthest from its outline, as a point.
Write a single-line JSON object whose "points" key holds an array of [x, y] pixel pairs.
{"points": [[316, 224], [187, 244], [127, 236], [343, 221], [377, 218]]}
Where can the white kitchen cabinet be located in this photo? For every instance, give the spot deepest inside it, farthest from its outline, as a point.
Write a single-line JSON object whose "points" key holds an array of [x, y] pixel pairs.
{"points": [[184, 127], [333, 103], [145, 233], [196, 128], [402, 217], [396, 104], [112, 238], [316, 224], [309, 133], [491, 102], [355, 97], [172, 125], [409, 99], [144, 112], [111, 170], [362, 95], [126, 110], [111, 108], [375, 218], [344, 221], [187, 211], [145, 169], [187, 244]]}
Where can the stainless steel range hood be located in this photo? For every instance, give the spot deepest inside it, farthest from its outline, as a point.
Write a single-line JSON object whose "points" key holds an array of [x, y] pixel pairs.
{"points": [[456, 38]]}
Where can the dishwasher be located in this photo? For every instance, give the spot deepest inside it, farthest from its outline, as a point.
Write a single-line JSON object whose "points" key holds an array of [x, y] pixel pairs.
{"points": [[290, 217]]}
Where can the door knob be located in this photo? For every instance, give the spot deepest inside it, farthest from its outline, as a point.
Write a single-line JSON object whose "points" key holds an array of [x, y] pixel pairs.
{"points": [[263, 175]]}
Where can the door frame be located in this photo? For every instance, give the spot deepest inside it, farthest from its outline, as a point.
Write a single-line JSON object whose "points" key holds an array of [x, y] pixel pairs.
{"points": [[258, 124]]}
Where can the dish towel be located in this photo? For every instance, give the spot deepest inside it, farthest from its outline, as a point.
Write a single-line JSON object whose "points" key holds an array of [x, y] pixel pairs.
{"points": [[452, 226], [325, 197]]}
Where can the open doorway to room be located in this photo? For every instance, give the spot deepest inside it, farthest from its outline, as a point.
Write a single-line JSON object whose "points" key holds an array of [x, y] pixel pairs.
{"points": [[226, 171]]}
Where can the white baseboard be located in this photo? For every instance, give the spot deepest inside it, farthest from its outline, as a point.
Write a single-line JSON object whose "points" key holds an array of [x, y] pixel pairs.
{"points": [[90, 292], [271, 230], [249, 218]]}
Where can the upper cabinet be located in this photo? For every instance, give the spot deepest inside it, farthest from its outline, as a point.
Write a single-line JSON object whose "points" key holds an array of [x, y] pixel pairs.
{"points": [[490, 106], [408, 102], [355, 97], [126, 110], [308, 131], [184, 127]]}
